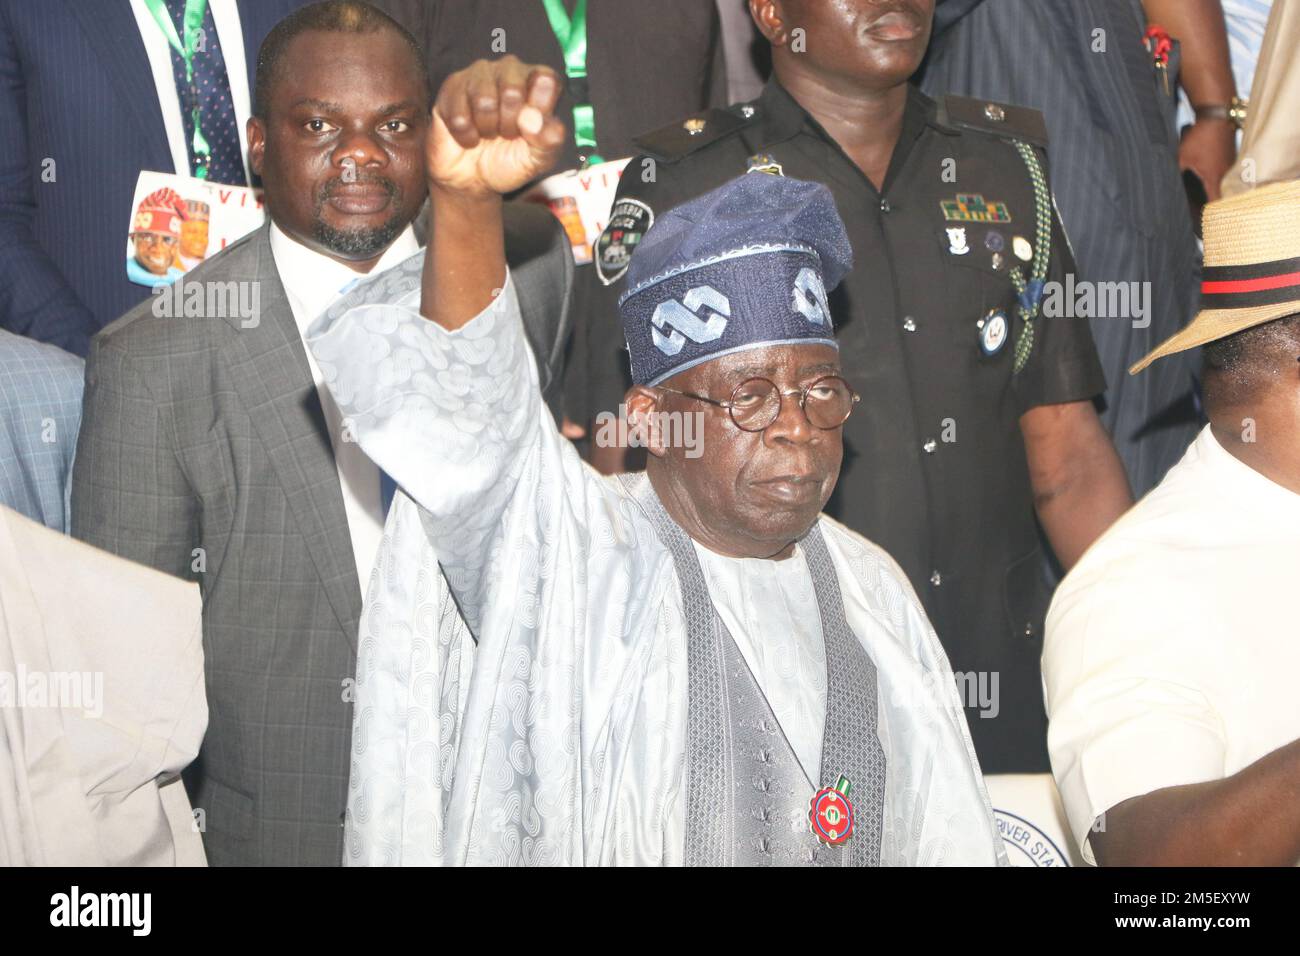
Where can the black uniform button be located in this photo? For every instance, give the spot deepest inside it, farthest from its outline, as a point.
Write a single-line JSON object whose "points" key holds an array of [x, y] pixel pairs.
{"points": [[909, 324], [930, 445], [885, 207], [936, 578]]}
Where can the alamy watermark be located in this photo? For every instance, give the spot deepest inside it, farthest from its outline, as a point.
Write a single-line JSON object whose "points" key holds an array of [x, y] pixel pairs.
{"points": [[71, 690], [1098, 300], [975, 690], [75, 908], [661, 429], [194, 299]]}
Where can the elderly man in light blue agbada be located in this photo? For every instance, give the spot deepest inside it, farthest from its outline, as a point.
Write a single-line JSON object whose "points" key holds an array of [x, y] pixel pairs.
{"points": [[689, 666]]}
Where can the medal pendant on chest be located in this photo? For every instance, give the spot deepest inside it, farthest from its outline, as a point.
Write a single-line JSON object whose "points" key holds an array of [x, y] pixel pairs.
{"points": [[993, 332], [831, 814]]}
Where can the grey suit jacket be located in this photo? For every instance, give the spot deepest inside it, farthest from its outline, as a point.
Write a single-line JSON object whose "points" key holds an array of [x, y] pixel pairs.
{"points": [[204, 453]]}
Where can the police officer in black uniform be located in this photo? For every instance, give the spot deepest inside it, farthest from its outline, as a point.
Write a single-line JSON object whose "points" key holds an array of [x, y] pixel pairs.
{"points": [[976, 407]]}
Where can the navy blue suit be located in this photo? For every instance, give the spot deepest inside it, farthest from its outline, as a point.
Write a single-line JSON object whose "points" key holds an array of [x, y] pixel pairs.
{"points": [[78, 107]]}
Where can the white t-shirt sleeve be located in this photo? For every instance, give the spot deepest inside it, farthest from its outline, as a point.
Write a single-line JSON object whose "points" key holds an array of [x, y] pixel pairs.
{"points": [[1128, 707]]}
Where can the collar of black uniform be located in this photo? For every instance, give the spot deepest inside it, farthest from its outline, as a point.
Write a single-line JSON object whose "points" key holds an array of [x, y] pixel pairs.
{"points": [[780, 117]]}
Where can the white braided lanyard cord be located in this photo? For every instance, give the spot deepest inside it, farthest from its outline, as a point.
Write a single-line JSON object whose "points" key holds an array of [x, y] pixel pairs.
{"points": [[1031, 293]]}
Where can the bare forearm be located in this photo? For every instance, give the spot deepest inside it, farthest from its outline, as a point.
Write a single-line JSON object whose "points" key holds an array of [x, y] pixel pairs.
{"points": [[1079, 484], [1199, 27], [1249, 819], [465, 264], [1076, 516]]}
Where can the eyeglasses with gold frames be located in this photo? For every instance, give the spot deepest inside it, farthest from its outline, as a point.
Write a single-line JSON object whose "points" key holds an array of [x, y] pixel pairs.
{"points": [[756, 402]]}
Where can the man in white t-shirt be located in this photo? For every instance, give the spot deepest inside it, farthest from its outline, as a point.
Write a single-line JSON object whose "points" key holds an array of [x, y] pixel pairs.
{"points": [[1171, 651]]}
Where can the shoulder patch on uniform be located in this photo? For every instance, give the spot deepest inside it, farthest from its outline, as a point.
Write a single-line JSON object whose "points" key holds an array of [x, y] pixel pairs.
{"points": [[1000, 119], [629, 221], [685, 136]]}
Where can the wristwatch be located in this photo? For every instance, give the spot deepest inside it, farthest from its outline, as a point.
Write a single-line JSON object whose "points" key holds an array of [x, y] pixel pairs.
{"points": [[1234, 112]]}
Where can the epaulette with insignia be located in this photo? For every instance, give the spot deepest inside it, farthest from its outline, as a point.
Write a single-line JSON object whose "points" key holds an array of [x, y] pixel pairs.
{"points": [[680, 139], [1000, 119]]}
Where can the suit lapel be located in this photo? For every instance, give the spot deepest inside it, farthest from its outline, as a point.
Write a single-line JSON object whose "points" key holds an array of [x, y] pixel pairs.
{"points": [[115, 38], [269, 366]]}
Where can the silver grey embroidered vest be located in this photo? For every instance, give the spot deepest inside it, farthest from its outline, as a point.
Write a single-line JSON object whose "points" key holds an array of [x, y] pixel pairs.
{"points": [[747, 795]]}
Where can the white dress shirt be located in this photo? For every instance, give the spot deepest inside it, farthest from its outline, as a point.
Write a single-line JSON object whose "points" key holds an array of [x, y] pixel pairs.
{"points": [[1172, 647], [230, 34], [313, 281], [770, 608]]}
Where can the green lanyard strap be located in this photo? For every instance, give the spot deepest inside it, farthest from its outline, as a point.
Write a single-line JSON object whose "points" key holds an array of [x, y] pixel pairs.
{"points": [[572, 36], [1030, 293], [193, 21]]}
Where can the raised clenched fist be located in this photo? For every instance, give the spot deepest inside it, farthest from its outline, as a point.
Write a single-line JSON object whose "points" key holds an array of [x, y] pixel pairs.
{"points": [[494, 128]]}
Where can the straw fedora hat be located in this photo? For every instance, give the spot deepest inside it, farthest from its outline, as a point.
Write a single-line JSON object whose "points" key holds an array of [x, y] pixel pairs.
{"points": [[1252, 267]]}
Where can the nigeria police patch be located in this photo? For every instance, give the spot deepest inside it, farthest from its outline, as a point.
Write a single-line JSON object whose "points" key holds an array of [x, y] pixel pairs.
{"points": [[628, 222]]}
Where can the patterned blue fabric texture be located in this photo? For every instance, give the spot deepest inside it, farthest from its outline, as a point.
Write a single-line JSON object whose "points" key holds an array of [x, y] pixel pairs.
{"points": [[748, 264], [40, 415]]}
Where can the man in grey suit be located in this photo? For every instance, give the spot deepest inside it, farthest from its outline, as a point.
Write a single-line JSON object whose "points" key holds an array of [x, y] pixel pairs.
{"points": [[211, 450]]}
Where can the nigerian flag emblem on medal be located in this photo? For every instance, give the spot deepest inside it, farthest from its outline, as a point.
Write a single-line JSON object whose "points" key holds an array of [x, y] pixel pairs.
{"points": [[831, 814]]}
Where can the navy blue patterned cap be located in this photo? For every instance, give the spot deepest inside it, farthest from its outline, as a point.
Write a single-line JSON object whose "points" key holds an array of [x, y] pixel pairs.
{"points": [[744, 266]]}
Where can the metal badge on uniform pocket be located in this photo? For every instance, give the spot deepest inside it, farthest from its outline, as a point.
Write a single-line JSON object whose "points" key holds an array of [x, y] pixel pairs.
{"points": [[995, 242], [629, 221], [957, 244], [993, 332]]}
